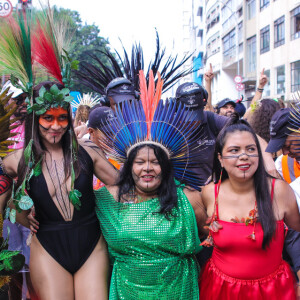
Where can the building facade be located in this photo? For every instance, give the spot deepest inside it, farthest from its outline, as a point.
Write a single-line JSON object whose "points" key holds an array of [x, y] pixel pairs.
{"points": [[243, 37], [193, 36]]}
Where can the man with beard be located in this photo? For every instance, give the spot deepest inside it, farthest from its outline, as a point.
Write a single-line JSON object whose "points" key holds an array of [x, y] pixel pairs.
{"points": [[226, 107], [18, 233]]}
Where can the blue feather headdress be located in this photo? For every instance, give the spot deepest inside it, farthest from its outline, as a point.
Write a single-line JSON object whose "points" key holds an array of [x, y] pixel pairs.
{"points": [[150, 121]]}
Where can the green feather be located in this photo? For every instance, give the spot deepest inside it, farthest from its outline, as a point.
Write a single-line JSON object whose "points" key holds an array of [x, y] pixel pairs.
{"points": [[74, 196], [15, 49], [38, 168], [28, 152]]}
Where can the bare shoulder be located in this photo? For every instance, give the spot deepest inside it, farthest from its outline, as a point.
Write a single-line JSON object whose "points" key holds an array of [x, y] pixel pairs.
{"points": [[11, 162], [208, 192], [282, 191]]}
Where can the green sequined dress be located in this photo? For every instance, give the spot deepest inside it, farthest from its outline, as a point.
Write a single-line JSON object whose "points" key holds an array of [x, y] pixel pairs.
{"points": [[153, 258]]}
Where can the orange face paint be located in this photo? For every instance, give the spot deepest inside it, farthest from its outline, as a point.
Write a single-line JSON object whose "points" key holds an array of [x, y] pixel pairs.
{"points": [[54, 116]]}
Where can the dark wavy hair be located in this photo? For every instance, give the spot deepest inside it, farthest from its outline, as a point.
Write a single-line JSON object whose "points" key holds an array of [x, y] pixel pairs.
{"points": [[261, 118], [263, 197], [38, 148], [167, 192]]}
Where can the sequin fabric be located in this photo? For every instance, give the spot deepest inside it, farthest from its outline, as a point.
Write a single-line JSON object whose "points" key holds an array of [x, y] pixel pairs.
{"points": [[152, 257]]}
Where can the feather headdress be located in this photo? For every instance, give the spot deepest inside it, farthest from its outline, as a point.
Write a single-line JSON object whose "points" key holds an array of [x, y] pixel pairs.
{"points": [[15, 50], [97, 75], [86, 99], [294, 123], [6, 111], [152, 121]]}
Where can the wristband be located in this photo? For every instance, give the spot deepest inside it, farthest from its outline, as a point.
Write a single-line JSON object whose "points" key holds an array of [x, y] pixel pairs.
{"points": [[260, 90]]}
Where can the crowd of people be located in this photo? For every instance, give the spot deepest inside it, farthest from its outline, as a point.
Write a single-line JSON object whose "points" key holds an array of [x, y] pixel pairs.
{"points": [[151, 198]]}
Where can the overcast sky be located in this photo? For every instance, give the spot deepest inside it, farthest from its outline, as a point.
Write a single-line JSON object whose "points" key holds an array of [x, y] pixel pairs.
{"points": [[130, 20]]}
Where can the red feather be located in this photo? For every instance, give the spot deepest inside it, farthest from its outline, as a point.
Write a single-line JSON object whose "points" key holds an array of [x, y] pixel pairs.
{"points": [[43, 49], [150, 96]]}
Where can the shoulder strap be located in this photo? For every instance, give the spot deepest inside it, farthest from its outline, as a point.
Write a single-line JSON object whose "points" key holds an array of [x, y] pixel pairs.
{"points": [[216, 202], [212, 123]]}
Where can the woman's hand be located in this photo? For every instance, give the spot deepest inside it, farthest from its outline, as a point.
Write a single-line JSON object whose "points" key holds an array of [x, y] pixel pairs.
{"points": [[34, 224]]}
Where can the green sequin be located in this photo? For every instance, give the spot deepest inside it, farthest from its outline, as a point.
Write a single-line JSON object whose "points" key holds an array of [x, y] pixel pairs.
{"points": [[153, 258]]}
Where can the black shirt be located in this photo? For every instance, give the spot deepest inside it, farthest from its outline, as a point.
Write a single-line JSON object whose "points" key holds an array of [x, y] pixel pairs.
{"points": [[209, 128]]}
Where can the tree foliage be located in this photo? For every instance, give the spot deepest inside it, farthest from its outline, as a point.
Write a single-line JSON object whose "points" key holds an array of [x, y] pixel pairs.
{"points": [[85, 38]]}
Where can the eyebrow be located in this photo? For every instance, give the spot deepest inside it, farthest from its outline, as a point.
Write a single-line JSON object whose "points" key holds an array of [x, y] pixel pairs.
{"points": [[233, 146]]}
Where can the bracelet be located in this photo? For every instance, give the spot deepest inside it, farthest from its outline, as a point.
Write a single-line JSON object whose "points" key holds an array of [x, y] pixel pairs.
{"points": [[260, 90]]}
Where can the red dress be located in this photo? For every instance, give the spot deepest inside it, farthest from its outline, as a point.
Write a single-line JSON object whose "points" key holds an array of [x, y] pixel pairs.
{"points": [[240, 269]]}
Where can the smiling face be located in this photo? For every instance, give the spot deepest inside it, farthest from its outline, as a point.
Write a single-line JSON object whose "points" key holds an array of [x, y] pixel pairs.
{"points": [[227, 110], [53, 124], [146, 172], [240, 155]]}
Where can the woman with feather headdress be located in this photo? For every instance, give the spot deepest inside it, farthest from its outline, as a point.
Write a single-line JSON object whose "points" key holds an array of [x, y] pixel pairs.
{"points": [[150, 220], [68, 253]]}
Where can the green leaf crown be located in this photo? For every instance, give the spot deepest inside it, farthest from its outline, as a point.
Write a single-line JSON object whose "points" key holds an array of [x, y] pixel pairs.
{"points": [[53, 98]]}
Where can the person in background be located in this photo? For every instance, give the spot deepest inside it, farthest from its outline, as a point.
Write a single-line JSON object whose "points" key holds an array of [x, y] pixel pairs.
{"points": [[194, 97], [263, 80], [261, 117], [208, 77], [226, 107], [287, 165], [18, 233], [119, 90], [97, 124], [240, 107]]}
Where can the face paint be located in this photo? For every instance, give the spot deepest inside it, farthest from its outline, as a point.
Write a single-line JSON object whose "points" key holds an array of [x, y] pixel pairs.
{"points": [[240, 155], [146, 171], [54, 117]]}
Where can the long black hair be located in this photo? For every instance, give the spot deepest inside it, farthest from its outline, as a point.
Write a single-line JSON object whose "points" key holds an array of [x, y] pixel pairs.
{"points": [[263, 198], [38, 148], [166, 192]]}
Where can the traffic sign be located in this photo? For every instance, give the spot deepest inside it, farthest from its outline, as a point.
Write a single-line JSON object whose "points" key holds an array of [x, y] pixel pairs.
{"points": [[240, 86], [238, 79], [5, 8]]}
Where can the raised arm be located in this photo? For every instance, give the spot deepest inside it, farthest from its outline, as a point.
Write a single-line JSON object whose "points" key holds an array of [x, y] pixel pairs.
{"points": [[208, 77], [103, 169], [263, 80]]}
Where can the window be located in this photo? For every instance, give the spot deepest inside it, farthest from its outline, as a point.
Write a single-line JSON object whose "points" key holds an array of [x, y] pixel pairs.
{"points": [[229, 50], [240, 32], [280, 80], [267, 90], [279, 32], [295, 23], [251, 54], [251, 9], [265, 39], [264, 4], [295, 76]]}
